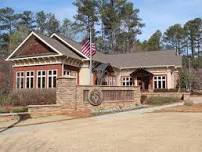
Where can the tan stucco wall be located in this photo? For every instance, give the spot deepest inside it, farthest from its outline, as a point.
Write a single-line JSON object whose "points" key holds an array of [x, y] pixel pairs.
{"points": [[84, 74], [171, 75]]}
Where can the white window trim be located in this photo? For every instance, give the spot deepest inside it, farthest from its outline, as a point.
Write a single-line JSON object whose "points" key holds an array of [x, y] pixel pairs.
{"points": [[52, 76], [20, 77], [29, 79], [126, 81], [157, 80], [67, 70], [41, 76]]}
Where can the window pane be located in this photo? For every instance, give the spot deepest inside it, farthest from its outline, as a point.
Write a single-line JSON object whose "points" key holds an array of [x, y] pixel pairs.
{"points": [[54, 72], [18, 83], [27, 83], [159, 84], [164, 84], [49, 82], [43, 82], [50, 72], [54, 82], [155, 84], [39, 82], [32, 83], [43, 72], [22, 83]]}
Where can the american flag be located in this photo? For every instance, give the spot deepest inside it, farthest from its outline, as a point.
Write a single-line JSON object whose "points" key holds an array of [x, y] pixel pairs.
{"points": [[85, 49]]}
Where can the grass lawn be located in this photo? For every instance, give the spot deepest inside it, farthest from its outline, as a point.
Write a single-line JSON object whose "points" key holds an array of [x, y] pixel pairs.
{"points": [[183, 108]]}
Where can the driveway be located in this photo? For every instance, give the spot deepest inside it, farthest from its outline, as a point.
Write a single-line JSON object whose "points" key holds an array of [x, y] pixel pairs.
{"points": [[121, 132]]}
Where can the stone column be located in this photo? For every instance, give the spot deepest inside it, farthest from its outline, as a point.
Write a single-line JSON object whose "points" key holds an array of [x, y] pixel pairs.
{"points": [[66, 90], [137, 94]]}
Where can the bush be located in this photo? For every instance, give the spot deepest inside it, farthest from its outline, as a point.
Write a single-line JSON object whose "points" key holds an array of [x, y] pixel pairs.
{"points": [[32, 97], [143, 99], [195, 92], [19, 109], [166, 90], [4, 100], [161, 100]]}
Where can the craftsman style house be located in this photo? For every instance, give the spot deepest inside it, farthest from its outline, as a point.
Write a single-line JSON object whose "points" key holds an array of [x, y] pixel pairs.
{"points": [[39, 60]]}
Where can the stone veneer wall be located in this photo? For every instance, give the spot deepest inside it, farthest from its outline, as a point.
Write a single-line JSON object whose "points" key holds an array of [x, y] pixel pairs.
{"points": [[68, 93], [66, 90]]}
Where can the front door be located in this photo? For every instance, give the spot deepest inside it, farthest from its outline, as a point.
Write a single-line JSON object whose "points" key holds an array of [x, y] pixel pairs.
{"points": [[143, 82]]}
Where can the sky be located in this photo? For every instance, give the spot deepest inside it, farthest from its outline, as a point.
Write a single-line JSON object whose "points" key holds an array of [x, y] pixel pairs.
{"points": [[155, 14]]}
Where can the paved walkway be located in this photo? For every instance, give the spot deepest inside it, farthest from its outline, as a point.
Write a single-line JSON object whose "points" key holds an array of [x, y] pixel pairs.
{"points": [[121, 132], [50, 119]]}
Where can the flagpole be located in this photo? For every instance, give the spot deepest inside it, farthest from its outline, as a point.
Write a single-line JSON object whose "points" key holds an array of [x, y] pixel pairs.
{"points": [[90, 57]]}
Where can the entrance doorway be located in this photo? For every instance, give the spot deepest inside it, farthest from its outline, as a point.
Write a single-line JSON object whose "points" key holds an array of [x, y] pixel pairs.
{"points": [[144, 79]]}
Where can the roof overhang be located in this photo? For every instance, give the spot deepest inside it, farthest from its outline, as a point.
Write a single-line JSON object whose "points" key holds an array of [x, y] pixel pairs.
{"points": [[76, 50], [32, 33], [156, 66]]}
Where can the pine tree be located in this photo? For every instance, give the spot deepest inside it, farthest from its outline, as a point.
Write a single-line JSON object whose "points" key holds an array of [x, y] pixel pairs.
{"points": [[174, 37], [87, 15], [41, 19]]}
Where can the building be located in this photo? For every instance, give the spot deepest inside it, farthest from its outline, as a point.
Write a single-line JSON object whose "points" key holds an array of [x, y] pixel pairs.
{"points": [[39, 60]]}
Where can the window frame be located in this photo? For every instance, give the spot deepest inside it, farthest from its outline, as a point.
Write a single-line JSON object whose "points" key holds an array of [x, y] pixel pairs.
{"points": [[52, 78], [30, 77], [158, 79], [41, 79], [127, 81], [20, 77]]}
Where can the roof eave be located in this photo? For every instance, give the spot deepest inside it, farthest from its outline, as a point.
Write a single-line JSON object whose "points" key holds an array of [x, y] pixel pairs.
{"points": [[54, 34], [32, 33], [156, 66]]}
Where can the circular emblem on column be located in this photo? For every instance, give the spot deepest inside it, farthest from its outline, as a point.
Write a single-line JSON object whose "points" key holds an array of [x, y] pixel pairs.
{"points": [[95, 97]]}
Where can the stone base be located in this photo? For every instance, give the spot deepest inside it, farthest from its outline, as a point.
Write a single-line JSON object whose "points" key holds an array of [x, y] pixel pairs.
{"points": [[48, 110]]}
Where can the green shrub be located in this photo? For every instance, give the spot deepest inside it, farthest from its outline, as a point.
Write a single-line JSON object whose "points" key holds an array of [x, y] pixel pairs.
{"points": [[195, 92], [166, 90], [143, 99], [33, 97], [161, 100], [4, 100], [19, 109]]}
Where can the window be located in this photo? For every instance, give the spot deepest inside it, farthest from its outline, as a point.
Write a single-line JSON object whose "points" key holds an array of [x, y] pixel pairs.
{"points": [[52, 75], [67, 72], [29, 79], [19, 80], [41, 79], [127, 81], [110, 80], [159, 82]]}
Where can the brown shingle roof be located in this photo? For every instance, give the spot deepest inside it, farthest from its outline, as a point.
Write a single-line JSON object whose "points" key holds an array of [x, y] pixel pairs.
{"points": [[141, 59], [134, 60], [60, 47]]}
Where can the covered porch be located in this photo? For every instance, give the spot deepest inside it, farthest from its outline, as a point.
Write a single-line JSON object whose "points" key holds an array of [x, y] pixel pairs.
{"points": [[143, 78]]}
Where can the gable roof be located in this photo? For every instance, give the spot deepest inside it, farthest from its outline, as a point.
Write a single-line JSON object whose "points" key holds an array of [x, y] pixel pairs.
{"points": [[56, 46], [66, 47], [70, 43], [141, 59]]}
